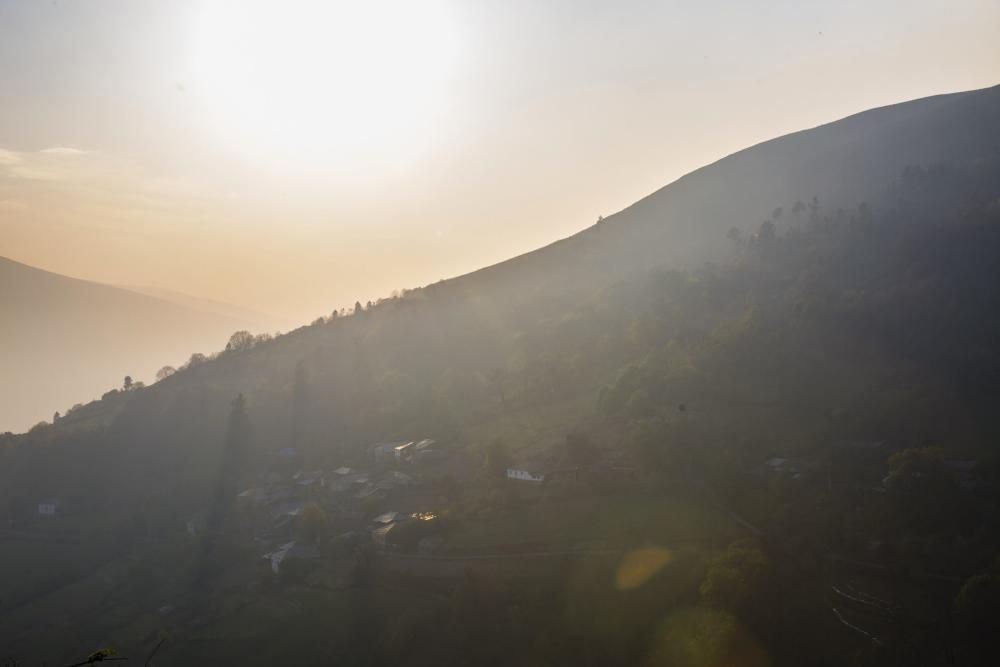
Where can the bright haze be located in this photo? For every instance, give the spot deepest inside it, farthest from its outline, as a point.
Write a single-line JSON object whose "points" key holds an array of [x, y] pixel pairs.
{"points": [[296, 156]]}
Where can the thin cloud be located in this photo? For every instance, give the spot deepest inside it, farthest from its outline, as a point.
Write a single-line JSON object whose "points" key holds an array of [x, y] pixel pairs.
{"points": [[8, 158], [97, 181], [34, 173], [56, 163], [65, 151], [12, 205]]}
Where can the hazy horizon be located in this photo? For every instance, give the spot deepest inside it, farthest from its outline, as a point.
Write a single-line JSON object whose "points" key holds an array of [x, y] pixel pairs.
{"points": [[128, 157]]}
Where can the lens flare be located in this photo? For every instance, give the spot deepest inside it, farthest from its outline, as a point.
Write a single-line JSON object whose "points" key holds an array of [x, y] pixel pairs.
{"points": [[639, 566]]}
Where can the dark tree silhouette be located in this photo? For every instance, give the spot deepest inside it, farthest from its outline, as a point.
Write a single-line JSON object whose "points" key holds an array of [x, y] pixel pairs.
{"points": [[234, 468], [797, 210], [814, 209], [766, 232], [300, 399], [735, 235], [239, 341], [236, 454]]}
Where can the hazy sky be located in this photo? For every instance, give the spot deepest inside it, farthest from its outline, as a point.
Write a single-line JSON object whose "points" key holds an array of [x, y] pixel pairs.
{"points": [[295, 156]]}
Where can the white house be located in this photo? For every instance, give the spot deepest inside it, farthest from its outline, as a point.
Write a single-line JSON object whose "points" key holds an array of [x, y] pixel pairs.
{"points": [[426, 443], [525, 475], [404, 451], [295, 550], [387, 518], [48, 507], [383, 450], [380, 536]]}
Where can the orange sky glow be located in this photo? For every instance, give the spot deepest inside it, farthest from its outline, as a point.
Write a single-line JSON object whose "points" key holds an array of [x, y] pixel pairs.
{"points": [[293, 157]]}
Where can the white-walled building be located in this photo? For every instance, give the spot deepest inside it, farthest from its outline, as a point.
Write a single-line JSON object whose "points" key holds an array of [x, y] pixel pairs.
{"points": [[48, 507], [525, 475]]}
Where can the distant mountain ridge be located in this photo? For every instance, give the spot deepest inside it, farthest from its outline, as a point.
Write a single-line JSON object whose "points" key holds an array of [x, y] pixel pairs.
{"points": [[66, 340]]}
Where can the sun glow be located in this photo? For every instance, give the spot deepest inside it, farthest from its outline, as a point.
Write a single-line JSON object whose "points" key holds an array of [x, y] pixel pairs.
{"points": [[327, 81]]}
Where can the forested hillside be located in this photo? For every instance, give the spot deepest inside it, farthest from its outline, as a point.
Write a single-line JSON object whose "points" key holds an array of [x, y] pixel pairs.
{"points": [[806, 426], [683, 224]]}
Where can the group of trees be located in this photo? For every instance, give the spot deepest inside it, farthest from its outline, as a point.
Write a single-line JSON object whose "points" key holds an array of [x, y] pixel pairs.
{"points": [[128, 384], [240, 341]]}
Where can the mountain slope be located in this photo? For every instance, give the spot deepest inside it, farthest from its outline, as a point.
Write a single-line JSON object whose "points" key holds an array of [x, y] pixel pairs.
{"points": [[844, 163], [66, 341]]}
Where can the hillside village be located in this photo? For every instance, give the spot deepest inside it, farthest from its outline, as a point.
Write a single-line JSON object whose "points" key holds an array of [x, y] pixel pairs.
{"points": [[421, 513], [341, 503], [400, 501]]}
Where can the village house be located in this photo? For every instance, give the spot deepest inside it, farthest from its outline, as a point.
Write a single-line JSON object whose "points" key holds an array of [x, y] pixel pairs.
{"points": [[386, 518], [371, 493], [308, 477], [418, 532], [782, 466], [392, 481], [381, 536], [404, 451], [399, 478], [789, 468], [309, 484], [427, 451], [48, 507], [383, 526], [524, 475], [348, 482], [196, 524], [297, 553], [384, 451]]}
